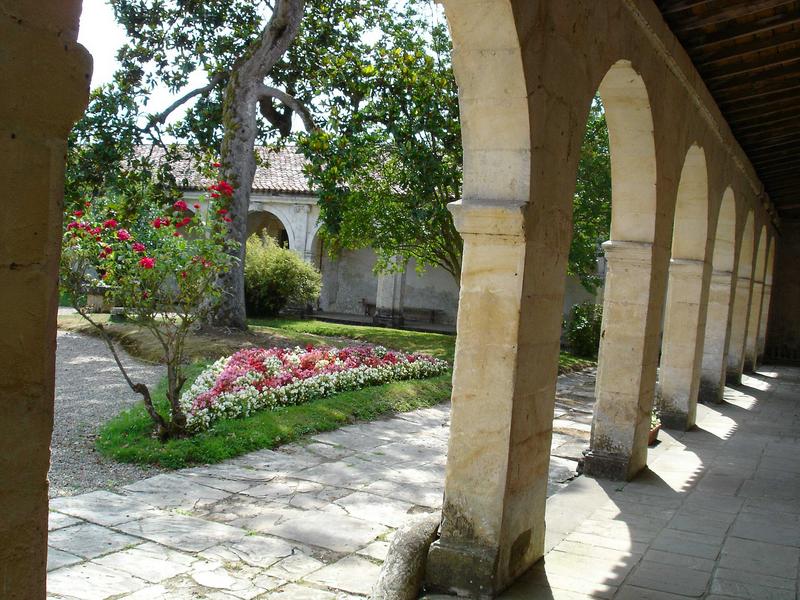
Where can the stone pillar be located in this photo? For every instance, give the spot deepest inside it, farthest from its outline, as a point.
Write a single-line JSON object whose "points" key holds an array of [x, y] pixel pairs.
{"points": [[741, 305], [682, 346], [389, 299], [504, 378], [45, 78], [754, 322], [627, 364], [762, 328], [715, 346]]}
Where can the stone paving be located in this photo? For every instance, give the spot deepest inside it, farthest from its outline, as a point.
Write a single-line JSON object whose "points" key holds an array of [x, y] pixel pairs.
{"points": [[309, 521], [716, 516]]}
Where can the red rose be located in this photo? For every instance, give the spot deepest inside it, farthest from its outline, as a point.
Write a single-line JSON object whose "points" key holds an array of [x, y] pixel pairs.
{"points": [[123, 235], [183, 274], [160, 222], [184, 221], [216, 164], [196, 206], [227, 219], [222, 211], [147, 262], [73, 225], [138, 247], [78, 213], [180, 205], [110, 224]]}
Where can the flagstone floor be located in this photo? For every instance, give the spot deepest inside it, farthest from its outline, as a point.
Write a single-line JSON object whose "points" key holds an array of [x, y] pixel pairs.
{"points": [[716, 516], [311, 520]]}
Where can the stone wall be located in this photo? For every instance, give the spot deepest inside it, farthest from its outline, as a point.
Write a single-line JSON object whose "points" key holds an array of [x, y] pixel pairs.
{"points": [[783, 329]]}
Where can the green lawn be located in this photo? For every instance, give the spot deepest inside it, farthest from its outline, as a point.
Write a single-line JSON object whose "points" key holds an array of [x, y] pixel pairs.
{"points": [[128, 437]]}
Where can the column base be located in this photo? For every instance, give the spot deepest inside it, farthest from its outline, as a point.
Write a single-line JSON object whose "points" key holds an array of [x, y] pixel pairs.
{"points": [[733, 378], [461, 569], [388, 319], [750, 366], [600, 465], [676, 421], [710, 392]]}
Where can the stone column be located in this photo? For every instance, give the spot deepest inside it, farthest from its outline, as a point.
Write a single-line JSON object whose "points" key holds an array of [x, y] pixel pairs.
{"points": [[45, 78], [754, 322], [762, 328], [389, 298], [741, 305], [627, 364], [682, 346], [504, 378], [715, 346]]}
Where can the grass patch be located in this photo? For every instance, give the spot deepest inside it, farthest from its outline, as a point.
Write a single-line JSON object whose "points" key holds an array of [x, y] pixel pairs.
{"points": [[127, 437]]}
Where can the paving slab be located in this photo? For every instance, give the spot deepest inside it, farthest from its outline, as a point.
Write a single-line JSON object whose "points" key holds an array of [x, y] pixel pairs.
{"points": [[183, 533], [88, 540], [351, 574], [103, 508]]}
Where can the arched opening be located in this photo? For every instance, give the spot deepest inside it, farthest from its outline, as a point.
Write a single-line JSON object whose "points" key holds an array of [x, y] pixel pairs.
{"points": [[633, 156], [629, 331], [741, 301], [266, 222], [756, 299], [715, 347], [685, 312]]}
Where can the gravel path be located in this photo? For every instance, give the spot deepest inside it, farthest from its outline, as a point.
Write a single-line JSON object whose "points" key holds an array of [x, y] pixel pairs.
{"points": [[90, 391]]}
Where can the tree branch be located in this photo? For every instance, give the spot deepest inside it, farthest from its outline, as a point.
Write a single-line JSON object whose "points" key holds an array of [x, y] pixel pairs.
{"points": [[266, 91], [161, 117]]}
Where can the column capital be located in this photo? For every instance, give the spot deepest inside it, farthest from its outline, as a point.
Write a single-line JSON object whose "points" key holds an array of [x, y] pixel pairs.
{"points": [[628, 252], [686, 266], [489, 217]]}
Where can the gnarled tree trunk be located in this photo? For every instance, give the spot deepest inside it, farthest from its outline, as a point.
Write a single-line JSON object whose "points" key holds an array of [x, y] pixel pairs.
{"points": [[243, 93]]}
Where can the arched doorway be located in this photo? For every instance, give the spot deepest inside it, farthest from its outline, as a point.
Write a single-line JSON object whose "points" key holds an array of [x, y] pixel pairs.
{"points": [[267, 223]]}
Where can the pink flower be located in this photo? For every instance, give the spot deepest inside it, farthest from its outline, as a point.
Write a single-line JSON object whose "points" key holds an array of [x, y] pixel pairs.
{"points": [[123, 235], [110, 224], [147, 262], [180, 205], [138, 247]]}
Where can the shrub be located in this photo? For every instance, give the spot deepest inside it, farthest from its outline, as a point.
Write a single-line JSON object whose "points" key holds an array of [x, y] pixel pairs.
{"points": [[165, 273], [583, 329], [275, 276]]}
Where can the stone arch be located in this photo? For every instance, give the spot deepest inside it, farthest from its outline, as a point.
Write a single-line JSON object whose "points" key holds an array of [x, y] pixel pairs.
{"points": [[493, 100], [741, 300], [724, 255], [629, 342], [756, 300], [720, 294], [687, 292], [633, 154], [265, 220], [690, 229]]}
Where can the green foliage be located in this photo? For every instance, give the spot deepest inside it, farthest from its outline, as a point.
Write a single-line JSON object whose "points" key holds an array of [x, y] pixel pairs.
{"points": [[275, 277], [387, 164], [591, 212], [583, 329]]}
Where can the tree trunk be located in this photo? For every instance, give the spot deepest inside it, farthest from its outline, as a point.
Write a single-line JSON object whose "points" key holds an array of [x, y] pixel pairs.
{"points": [[238, 162]]}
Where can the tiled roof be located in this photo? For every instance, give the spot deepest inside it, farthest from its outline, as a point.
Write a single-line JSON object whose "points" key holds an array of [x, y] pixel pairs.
{"points": [[281, 171]]}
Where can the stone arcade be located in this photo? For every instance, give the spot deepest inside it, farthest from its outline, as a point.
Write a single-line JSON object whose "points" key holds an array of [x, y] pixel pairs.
{"points": [[696, 235]]}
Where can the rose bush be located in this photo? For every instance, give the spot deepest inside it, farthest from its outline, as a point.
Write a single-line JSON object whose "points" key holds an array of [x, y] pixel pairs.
{"points": [[161, 270], [259, 378]]}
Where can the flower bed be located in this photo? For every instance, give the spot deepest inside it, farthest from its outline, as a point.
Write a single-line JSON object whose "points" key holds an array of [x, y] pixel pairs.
{"points": [[268, 378]]}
